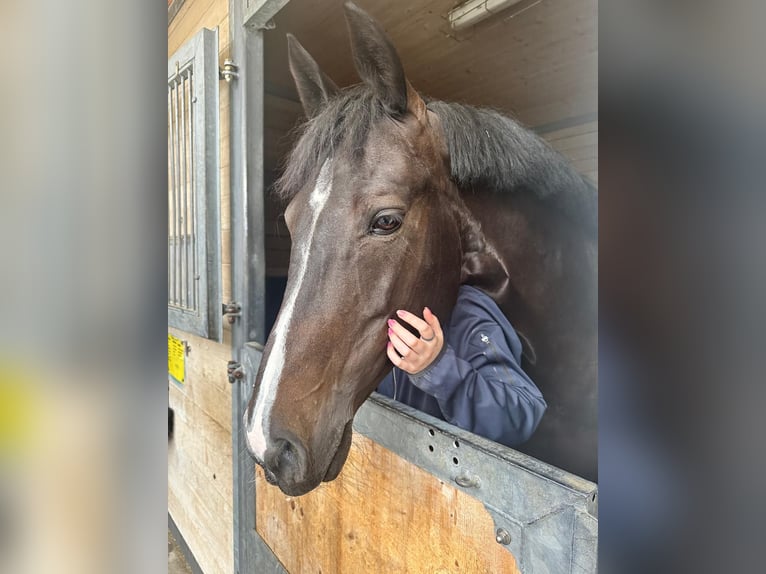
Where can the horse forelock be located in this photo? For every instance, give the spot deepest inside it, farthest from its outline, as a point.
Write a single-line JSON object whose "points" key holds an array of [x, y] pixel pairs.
{"points": [[341, 128]]}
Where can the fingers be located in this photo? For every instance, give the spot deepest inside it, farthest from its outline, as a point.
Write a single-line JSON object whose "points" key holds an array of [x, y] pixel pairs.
{"points": [[399, 345], [395, 359], [409, 339], [423, 328], [432, 320], [409, 352]]}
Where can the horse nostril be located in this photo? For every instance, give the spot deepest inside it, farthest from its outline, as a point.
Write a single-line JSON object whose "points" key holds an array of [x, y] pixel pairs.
{"points": [[283, 459], [285, 455]]}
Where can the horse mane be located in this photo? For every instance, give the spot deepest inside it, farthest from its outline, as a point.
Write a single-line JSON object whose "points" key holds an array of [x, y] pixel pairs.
{"points": [[491, 152], [488, 152]]}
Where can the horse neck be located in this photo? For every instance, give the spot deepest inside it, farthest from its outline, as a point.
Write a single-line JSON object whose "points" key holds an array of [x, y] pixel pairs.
{"points": [[549, 258]]}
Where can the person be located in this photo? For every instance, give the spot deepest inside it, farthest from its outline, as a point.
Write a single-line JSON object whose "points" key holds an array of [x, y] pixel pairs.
{"points": [[467, 373]]}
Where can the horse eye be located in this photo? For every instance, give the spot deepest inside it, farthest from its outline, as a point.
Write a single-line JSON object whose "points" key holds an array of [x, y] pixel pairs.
{"points": [[386, 223]]}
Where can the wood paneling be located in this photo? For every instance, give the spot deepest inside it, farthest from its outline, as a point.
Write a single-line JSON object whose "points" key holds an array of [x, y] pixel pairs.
{"points": [[382, 514], [200, 497], [579, 144], [200, 490]]}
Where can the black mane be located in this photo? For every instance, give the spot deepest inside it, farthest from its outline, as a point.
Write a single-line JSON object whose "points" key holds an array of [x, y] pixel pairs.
{"points": [[488, 152], [491, 152]]}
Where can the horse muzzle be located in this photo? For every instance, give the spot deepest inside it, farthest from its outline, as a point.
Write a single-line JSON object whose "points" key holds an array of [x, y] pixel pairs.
{"points": [[286, 463]]}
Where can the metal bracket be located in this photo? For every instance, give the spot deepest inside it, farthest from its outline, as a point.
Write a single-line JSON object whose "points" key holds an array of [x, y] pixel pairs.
{"points": [[228, 71], [231, 311], [235, 371]]}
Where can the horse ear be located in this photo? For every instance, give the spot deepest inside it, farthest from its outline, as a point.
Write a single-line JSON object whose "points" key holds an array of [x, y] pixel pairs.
{"points": [[314, 86], [481, 265], [376, 60], [483, 268]]}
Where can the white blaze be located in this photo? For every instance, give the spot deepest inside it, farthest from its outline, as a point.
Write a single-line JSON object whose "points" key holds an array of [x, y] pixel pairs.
{"points": [[257, 434]]}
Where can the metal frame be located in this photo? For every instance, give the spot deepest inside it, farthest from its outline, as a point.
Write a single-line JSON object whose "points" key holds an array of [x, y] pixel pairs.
{"points": [[201, 53], [258, 13], [251, 554]]}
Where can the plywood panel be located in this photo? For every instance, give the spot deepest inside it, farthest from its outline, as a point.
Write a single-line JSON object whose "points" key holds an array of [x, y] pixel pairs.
{"points": [[382, 514]]}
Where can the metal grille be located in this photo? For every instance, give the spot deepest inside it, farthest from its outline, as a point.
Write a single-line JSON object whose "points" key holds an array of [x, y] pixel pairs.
{"points": [[194, 235], [183, 269]]}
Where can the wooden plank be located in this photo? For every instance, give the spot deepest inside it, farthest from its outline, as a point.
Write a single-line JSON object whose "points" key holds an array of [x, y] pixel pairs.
{"points": [[575, 141], [207, 384], [585, 128], [200, 14], [585, 165], [225, 246], [580, 153], [382, 514], [199, 438], [205, 515]]}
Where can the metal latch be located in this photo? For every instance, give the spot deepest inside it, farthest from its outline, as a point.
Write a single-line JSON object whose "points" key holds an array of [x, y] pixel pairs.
{"points": [[235, 371], [228, 71], [231, 311]]}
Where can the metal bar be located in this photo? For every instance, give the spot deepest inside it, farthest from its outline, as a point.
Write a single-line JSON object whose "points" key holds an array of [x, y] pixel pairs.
{"points": [[173, 230], [177, 294], [193, 185], [170, 188], [182, 189], [209, 180], [251, 554], [189, 258]]}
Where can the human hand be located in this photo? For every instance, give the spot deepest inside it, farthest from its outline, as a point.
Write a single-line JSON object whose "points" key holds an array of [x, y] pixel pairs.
{"points": [[408, 352]]}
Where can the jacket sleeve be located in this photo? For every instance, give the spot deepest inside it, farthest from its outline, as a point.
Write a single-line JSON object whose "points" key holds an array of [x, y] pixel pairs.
{"points": [[480, 385]]}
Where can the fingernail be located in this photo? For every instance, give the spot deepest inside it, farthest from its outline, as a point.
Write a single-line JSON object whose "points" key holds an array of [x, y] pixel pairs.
{"points": [[400, 312], [426, 309], [390, 331], [390, 322]]}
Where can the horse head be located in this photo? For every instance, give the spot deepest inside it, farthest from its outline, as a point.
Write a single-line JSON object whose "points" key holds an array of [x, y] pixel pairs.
{"points": [[376, 225]]}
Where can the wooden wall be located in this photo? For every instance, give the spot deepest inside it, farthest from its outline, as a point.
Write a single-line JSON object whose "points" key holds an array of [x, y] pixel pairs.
{"points": [[381, 515], [200, 498], [579, 144]]}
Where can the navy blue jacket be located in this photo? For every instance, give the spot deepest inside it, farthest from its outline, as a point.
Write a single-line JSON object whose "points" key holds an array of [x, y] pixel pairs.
{"points": [[476, 382]]}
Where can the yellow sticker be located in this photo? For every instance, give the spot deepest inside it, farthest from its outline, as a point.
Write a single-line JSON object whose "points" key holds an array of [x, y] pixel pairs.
{"points": [[176, 358]]}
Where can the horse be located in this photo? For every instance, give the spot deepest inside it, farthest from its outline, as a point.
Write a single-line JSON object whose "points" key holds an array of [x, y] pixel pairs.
{"points": [[394, 201]]}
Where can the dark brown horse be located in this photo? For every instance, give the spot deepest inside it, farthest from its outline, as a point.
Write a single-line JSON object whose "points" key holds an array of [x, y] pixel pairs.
{"points": [[393, 203]]}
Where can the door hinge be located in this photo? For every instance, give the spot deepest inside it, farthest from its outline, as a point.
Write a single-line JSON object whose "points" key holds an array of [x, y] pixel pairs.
{"points": [[235, 371], [228, 71], [231, 311]]}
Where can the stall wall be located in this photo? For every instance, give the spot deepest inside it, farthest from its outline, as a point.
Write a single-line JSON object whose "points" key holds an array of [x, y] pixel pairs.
{"points": [[200, 499], [381, 515], [579, 144]]}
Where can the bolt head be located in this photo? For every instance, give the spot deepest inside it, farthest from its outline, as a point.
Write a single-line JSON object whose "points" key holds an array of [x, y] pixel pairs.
{"points": [[502, 536]]}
